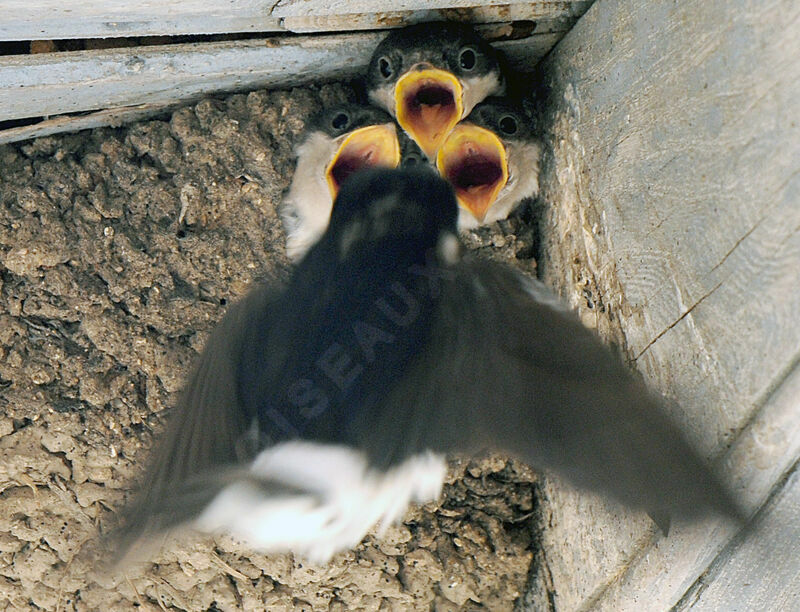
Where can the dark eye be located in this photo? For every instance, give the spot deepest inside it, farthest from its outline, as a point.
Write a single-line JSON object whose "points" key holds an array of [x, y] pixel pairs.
{"points": [[412, 159], [508, 125], [467, 59], [385, 67], [340, 121]]}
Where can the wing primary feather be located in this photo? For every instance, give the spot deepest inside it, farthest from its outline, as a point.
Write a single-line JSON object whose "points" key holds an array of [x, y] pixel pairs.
{"points": [[192, 460], [508, 368]]}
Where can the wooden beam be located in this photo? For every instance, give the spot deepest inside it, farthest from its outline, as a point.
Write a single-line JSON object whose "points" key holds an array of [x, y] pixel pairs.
{"points": [[75, 123], [57, 83], [758, 573], [53, 19], [129, 83], [671, 190], [669, 569], [549, 16]]}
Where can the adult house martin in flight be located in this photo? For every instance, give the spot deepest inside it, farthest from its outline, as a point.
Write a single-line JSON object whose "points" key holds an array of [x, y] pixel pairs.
{"points": [[322, 408]]}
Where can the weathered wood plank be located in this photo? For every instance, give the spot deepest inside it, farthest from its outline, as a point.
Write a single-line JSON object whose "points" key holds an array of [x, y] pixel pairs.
{"points": [[759, 573], [691, 141], [549, 16], [672, 221], [50, 19], [661, 574], [340, 7], [75, 123], [57, 83]]}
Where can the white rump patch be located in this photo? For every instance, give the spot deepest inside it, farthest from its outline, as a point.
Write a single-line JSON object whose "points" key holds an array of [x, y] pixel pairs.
{"points": [[343, 499]]}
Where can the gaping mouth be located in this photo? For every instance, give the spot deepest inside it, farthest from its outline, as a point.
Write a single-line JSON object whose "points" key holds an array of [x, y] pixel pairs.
{"points": [[475, 163], [374, 145], [428, 105]]}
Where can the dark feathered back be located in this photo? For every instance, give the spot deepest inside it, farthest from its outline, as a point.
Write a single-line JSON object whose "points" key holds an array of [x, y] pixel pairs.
{"points": [[356, 310]]}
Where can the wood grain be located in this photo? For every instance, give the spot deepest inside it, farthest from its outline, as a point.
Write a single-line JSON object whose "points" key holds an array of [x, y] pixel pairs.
{"points": [[672, 221], [75, 123], [114, 80], [50, 19], [759, 573], [57, 83]]}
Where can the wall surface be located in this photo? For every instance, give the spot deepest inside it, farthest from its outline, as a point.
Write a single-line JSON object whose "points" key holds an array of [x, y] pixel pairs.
{"points": [[672, 221]]}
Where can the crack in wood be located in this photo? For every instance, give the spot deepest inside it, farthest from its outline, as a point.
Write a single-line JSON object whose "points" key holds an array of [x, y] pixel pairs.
{"points": [[274, 6], [779, 189], [738, 242], [679, 319]]}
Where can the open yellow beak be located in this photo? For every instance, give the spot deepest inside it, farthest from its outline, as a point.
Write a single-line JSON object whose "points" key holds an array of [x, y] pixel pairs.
{"points": [[475, 163], [374, 145], [428, 105]]}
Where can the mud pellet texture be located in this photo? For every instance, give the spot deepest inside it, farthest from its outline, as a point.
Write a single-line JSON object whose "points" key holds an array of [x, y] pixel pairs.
{"points": [[119, 251]]}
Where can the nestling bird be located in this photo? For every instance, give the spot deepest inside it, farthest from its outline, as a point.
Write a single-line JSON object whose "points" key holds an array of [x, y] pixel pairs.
{"points": [[430, 76], [492, 161], [322, 408], [338, 142]]}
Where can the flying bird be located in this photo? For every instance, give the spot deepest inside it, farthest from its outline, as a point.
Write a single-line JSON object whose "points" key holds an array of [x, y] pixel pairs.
{"points": [[492, 161], [430, 76], [322, 408]]}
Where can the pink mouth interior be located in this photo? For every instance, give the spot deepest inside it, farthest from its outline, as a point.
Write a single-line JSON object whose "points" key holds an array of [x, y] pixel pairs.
{"points": [[430, 95], [350, 162], [473, 171]]}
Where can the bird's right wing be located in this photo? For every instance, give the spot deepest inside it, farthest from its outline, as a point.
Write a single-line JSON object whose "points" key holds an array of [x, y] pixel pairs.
{"points": [[507, 367], [205, 445]]}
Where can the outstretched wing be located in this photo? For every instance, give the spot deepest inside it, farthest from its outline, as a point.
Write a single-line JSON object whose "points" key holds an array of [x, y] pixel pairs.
{"points": [[207, 432], [508, 368]]}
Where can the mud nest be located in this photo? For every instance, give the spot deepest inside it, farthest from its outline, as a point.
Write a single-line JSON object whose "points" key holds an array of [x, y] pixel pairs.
{"points": [[120, 250]]}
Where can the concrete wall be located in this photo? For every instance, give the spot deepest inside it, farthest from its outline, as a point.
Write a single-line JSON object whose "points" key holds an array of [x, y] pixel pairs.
{"points": [[672, 220]]}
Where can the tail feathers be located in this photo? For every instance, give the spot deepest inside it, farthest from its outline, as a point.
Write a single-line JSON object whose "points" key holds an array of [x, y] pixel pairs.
{"points": [[182, 504], [310, 499]]}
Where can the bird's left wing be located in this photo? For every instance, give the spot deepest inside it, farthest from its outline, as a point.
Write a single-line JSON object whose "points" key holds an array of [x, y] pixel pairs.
{"points": [[508, 367]]}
